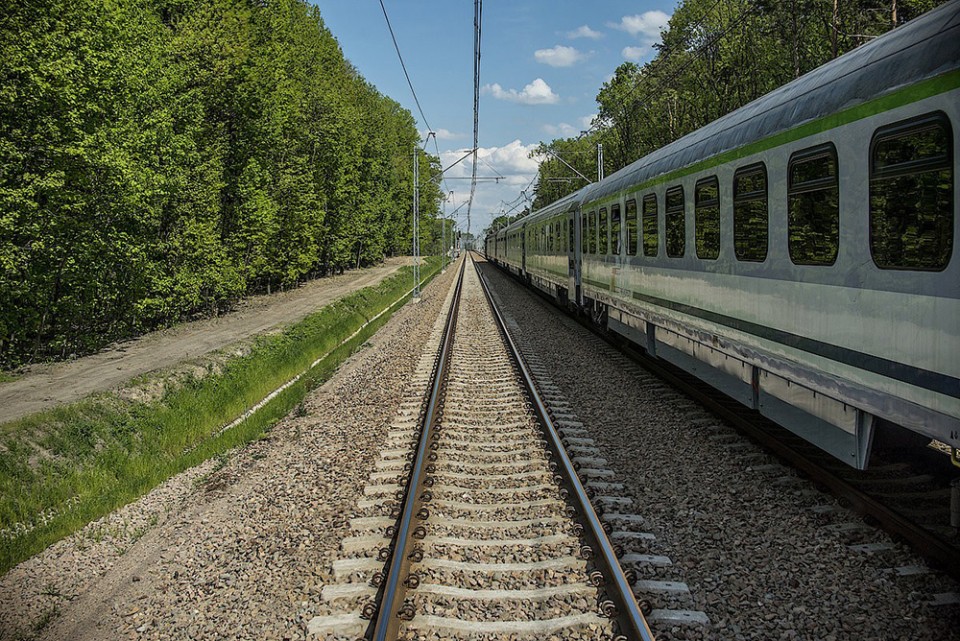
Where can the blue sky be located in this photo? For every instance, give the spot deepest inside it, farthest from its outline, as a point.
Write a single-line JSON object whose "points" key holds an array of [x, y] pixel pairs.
{"points": [[542, 64]]}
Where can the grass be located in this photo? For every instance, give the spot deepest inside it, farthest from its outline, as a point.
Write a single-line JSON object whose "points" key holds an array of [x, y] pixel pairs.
{"points": [[7, 377], [63, 468]]}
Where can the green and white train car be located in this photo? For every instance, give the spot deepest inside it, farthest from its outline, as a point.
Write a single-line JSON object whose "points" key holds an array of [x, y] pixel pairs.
{"points": [[797, 253]]}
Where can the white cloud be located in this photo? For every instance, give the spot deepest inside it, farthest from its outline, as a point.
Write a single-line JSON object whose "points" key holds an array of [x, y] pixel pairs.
{"points": [[511, 161], [634, 54], [646, 27], [446, 134], [537, 92], [442, 134], [563, 130], [558, 56], [566, 130], [584, 32]]}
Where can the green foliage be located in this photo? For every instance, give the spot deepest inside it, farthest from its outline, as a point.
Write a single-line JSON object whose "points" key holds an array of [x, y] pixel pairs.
{"points": [[161, 158], [715, 56], [63, 468]]}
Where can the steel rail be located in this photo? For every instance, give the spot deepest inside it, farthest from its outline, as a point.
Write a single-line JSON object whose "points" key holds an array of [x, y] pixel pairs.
{"points": [[392, 590], [632, 624]]}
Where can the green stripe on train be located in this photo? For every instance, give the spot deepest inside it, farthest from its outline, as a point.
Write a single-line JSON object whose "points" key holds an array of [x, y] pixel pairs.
{"points": [[925, 89]]}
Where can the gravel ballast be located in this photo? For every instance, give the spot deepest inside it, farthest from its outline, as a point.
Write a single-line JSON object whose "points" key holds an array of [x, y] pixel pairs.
{"points": [[240, 547], [751, 539]]}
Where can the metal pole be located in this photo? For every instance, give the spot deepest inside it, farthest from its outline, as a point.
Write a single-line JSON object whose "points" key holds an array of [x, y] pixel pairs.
{"points": [[416, 221], [599, 161]]}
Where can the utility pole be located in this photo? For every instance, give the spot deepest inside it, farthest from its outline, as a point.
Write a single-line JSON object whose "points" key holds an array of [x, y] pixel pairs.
{"points": [[416, 221]]}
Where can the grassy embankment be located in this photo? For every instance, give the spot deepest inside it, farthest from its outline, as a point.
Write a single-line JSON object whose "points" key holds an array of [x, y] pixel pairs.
{"points": [[66, 467]]}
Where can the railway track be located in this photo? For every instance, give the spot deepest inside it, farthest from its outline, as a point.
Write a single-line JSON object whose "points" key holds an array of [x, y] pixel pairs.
{"points": [[489, 532]]}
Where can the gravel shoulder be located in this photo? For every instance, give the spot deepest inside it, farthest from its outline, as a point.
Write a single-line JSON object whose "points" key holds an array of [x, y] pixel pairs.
{"points": [[239, 547], [739, 528], [44, 386]]}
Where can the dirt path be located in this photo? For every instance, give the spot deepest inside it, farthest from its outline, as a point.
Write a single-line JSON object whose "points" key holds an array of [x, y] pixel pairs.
{"points": [[44, 386]]}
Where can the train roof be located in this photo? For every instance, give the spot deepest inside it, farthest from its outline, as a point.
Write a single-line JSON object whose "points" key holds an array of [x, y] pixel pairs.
{"points": [[565, 204], [924, 48]]}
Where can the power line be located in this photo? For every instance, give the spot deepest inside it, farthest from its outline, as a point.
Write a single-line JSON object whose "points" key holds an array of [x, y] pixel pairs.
{"points": [[404, 67]]}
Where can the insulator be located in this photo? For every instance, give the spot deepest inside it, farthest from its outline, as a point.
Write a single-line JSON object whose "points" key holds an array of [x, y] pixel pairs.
{"points": [[631, 576], [413, 581], [390, 531], [377, 579], [570, 511], [423, 514], [607, 528], [431, 469], [557, 479], [617, 550], [395, 512], [564, 493], [383, 554], [369, 611], [577, 465], [591, 493], [426, 497], [608, 608], [552, 465], [596, 578], [586, 552], [428, 481], [407, 466], [400, 494], [432, 456], [577, 529], [419, 532], [416, 555]]}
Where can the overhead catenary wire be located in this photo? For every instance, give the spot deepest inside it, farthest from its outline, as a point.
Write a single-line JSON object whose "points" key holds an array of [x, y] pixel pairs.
{"points": [[406, 75]]}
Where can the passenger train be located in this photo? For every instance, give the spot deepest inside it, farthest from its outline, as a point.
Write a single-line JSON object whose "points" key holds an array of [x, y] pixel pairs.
{"points": [[797, 253]]}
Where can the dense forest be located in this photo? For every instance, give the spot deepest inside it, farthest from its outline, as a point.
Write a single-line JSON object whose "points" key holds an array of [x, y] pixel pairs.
{"points": [[715, 56], [159, 159]]}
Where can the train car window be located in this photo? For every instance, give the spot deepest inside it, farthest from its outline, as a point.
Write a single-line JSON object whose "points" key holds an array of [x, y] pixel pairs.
{"points": [[813, 206], [603, 227], [583, 233], [631, 220], [569, 224], [615, 247], [706, 214], [911, 194], [675, 222], [650, 237], [750, 229], [592, 233]]}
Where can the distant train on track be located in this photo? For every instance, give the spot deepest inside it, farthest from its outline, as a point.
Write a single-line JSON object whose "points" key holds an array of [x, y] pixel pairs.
{"points": [[797, 253]]}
